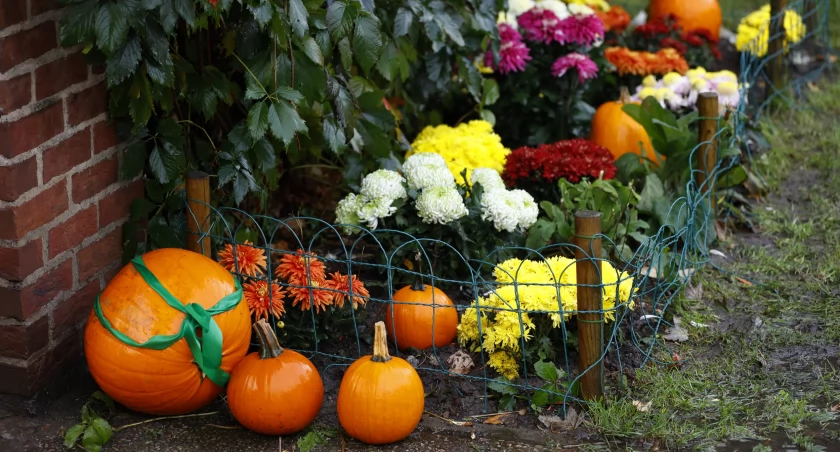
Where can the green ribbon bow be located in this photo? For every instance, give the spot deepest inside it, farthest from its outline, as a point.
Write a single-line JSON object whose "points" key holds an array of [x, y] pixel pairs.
{"points": [[207, 349]]}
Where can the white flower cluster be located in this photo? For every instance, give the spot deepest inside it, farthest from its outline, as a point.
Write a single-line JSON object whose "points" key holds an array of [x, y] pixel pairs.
{"points": [[509, 210], [379, 191], [439, 200], [488, 178], [675, 91], [427, 169]]}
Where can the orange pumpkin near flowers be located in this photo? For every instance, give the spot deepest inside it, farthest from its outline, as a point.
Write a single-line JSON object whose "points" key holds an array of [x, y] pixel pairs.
{"points": [[381, 398], [421, 316], [274, 391], [691, 14], [166, 331], [617, 131]]}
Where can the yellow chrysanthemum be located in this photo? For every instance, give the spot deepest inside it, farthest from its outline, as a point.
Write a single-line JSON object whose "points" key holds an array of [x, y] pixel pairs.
{"points": [[505, 364], [594, 4], [753, 31], [469, 145]]}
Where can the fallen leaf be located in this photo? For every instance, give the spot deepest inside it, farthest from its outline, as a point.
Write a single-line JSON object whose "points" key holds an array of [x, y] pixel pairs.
{"points": [[502, 419], [522, 412], [686, 273], [643, 407], [677, 361], [835, 408], [717, 253], [693, 292], [557, 424], [413, 361], [460, 363], [472, 434], [743, 281], [720, 230], [408, 264], [649, 271], [676, 333]]}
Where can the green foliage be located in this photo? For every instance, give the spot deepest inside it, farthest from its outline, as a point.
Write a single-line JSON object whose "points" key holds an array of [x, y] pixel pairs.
{"points": [[315, 437], [245, 89], [550, 393], [94, 431]]}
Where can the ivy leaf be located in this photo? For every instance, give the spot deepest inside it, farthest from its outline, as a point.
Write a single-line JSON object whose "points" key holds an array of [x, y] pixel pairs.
{"points": [[340, 17], [333, 135], [140, 100], [133, 161], [402, 22], [263, 12], [163, 235], [450, 27], [186, 9], [124, 61], [297, 17], [168, 16], [242, 184], [346, 53], [78, 24], [264, 152], [72, 435], [111, 27], [226, 174], [367, 42], [288, 93], [258, 120], [157, 165], [240, 138], [284, 121], [149, 5], [312, 50], [255, 92], [376, 140]]}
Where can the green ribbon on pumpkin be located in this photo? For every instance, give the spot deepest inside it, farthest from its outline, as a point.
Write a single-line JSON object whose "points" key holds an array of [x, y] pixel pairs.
{"points": [[207, 349]]}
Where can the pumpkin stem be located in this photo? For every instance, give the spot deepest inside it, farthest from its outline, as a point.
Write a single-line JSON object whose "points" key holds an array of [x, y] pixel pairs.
{"points": [[380, 344], [624, 96], [418, 285], [269, 345]]}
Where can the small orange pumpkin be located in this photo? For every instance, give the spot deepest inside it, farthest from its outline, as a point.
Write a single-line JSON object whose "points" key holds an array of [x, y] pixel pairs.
{"points": [[691, 14], [431, 319], [274, 391], [615, 130], [164, 381], [381, 398]]}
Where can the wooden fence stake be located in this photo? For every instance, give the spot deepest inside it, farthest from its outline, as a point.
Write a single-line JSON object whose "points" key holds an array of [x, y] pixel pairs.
{"points": [[776, 44], [707, 158], [590, 325], [811, 19], [198, 212]]}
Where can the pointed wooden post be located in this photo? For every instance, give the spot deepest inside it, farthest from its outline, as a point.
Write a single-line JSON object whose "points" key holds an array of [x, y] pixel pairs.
{"points": [[589, 291], [776, 44], [198, 212], [707, 157]]}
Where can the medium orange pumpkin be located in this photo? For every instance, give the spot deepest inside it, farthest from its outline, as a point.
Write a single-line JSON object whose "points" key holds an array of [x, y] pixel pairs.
{"points": [[691, 14], [431, 320], [169, 380], [274, 391], [381, 398], [615, 130]]}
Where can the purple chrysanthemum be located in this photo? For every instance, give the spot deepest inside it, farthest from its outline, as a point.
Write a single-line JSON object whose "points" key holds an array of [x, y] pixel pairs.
{"points": [[581, 30], [586, 68], [540, 25], [513, 53]]}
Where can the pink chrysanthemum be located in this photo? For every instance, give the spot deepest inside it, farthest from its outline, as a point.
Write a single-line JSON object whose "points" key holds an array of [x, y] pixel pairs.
{"points": [[540, 25], [513, 53], [581, 30], [586, 68]]}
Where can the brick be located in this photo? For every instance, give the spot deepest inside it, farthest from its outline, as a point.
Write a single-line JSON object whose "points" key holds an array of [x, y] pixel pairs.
{"points": [[66, 155], [16, 263], [53, 370], [15, 93], [41, 6], [93, 180], [116, 206], [71, 312], [18, 179], [27, 44], [12, 12], [21, 302], [16, 221], [100, 255], [87, 104], [30, 131], [70, 234], [104, 137], [20, 341], [53, 77]]}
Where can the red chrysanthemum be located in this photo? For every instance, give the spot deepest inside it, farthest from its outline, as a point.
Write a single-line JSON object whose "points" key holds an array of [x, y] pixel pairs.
{"points": [[675, 44], [342, 285], [264, 298], [570, 159], [301, 266], [247, 260]]}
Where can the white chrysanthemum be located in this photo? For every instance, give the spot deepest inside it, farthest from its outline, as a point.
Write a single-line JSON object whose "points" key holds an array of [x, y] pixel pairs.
{"points": [[440, 205], [557, 7], [506, 18], [578, 9], [383, 184], [517, 7], [347, 211], [729, 95], [370, 211], [677, 83], [488, 178], [501, 208], [528, 210], [427, 169]]}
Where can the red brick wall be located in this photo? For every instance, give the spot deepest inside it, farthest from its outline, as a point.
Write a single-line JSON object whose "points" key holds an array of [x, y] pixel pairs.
{"points": [[62, 204]]}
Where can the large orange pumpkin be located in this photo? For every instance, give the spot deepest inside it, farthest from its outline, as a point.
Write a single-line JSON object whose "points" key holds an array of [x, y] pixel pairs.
{"points": [[381, 398], [421, 317], [691, 14], [274, 391], [615, 130], [164, 375]]}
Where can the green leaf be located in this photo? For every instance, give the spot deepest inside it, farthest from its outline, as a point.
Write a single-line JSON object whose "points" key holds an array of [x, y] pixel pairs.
{"points": [[226, 174], [157, 166], [78, 24], [346, 53], [489, 92], [140, 104], [258, 120], [284, 122], [111, 27], [149, 5], [240, 138], [186, 9], [124, 61], [265, 155], [140, 209], [547, 371], [333, 135], [488, 116], [540, 398], [540, 234], [402, 22], [653, 192], [263, 12], [163, 235], [375, 139], [72, 435], [91, 440], [297, 17], [507, 402], [103, 429], [254, 92], [133, 161], [450, 27], [502, 387], [367, 42], [340, 17], [289, 94], [168, 16], [87, 414], [312, 51]]}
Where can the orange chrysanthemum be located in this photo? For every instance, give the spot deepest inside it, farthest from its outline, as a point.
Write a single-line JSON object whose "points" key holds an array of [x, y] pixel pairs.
{"points": [[669, 60], [616, 19], [250, 261], [342, 285], [308, 294], [264, 298], [631, 62], [294, 266]]}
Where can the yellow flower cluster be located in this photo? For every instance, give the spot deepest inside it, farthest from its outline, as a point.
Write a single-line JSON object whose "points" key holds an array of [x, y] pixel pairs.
{"points": [[527, 288], [594, 4], [469, 145], [754, 31]]}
